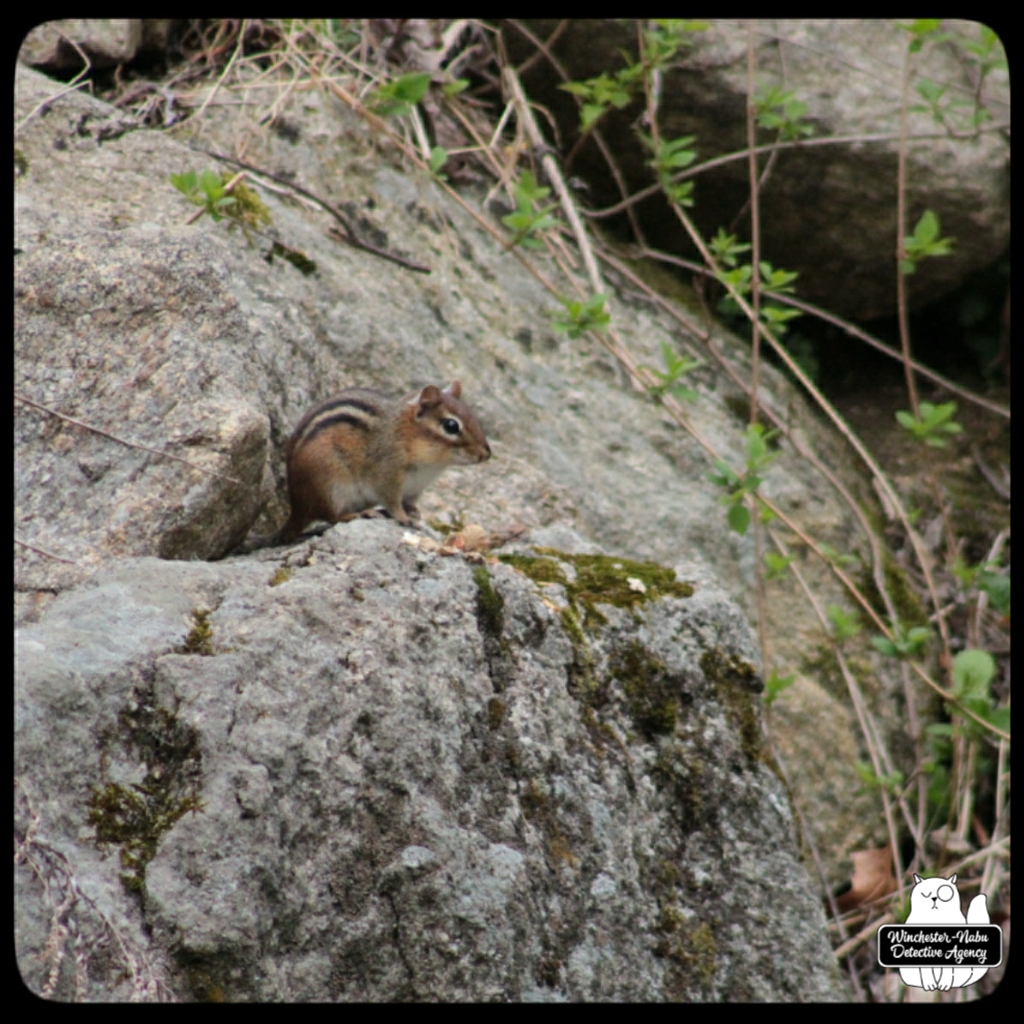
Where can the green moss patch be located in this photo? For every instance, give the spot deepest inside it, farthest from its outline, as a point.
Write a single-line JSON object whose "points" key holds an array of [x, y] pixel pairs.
{"points": [[490, 605], [539, 809], [200, 636], [652, 693], [691, 949], [601, 579], [490, 617], [495, 713], [135, 817], [737, 682], [652, 696]]}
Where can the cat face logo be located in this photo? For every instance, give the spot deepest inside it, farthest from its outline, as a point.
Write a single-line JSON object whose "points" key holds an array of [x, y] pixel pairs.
{"points": [[939, 891]]}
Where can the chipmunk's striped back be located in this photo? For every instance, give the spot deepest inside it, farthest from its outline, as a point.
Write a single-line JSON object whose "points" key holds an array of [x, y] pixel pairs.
{"points": [[358, 408]]}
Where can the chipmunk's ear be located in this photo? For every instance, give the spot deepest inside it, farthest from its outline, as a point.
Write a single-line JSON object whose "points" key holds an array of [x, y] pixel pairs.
{"points": [[454, 389], [427, 398]]}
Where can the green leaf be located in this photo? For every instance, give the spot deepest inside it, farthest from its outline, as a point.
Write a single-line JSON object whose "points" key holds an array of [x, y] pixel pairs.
{"points": [[776, 564], [589, 113], [726, 477], [451, 89], [726, 248], [675, 154], [738, 517], [779, 314], [758, 453], [438, 157], [774, 685], [998, 589], [933, 424], [581, 316], [185, 183], [927, 229], [412, 87], [681, 393], [777, 280], [739, 278], [211, 184], [675, 367], [973, 671], [397, 96], [999, 717], [924, 241], [845, 624]]}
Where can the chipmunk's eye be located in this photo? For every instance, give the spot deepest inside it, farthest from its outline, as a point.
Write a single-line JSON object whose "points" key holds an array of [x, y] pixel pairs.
{"points": [[450, 426]]}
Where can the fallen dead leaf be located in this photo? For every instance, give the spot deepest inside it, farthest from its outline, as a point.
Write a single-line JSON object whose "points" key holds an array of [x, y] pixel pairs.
{"points": [[470, 538], [872, 878]]}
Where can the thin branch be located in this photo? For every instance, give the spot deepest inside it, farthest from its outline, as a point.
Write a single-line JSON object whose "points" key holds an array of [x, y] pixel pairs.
{"points": [[553, 174], [755, 339], [224, 74], [901, 229], [72, 85], [43, 551], [771, 147], [351, 236], [543, 48], [755, 231], [594, 132], [121, 440], [852, 329]]}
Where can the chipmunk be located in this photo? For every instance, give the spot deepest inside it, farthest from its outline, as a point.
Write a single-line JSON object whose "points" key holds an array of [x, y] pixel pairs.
{"points": [[360, 449]]}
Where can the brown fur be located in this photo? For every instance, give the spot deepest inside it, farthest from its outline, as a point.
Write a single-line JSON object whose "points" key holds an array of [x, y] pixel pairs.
{"points": [[361, 449]]}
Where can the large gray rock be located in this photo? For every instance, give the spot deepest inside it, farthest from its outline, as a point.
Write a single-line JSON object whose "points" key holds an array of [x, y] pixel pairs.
{"points": [[187, 339], [385, 774]]}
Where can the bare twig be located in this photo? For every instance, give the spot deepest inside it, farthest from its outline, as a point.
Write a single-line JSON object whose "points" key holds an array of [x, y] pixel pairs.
{"points": [[901, 235], [543, 48], [594, 133], [755, 231], [43, 551], [350, 235], [227, 70], [121, 440], [755, 338], [771, 147], [74, 84], [997, 485], [845, 325], [554, 175]]}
